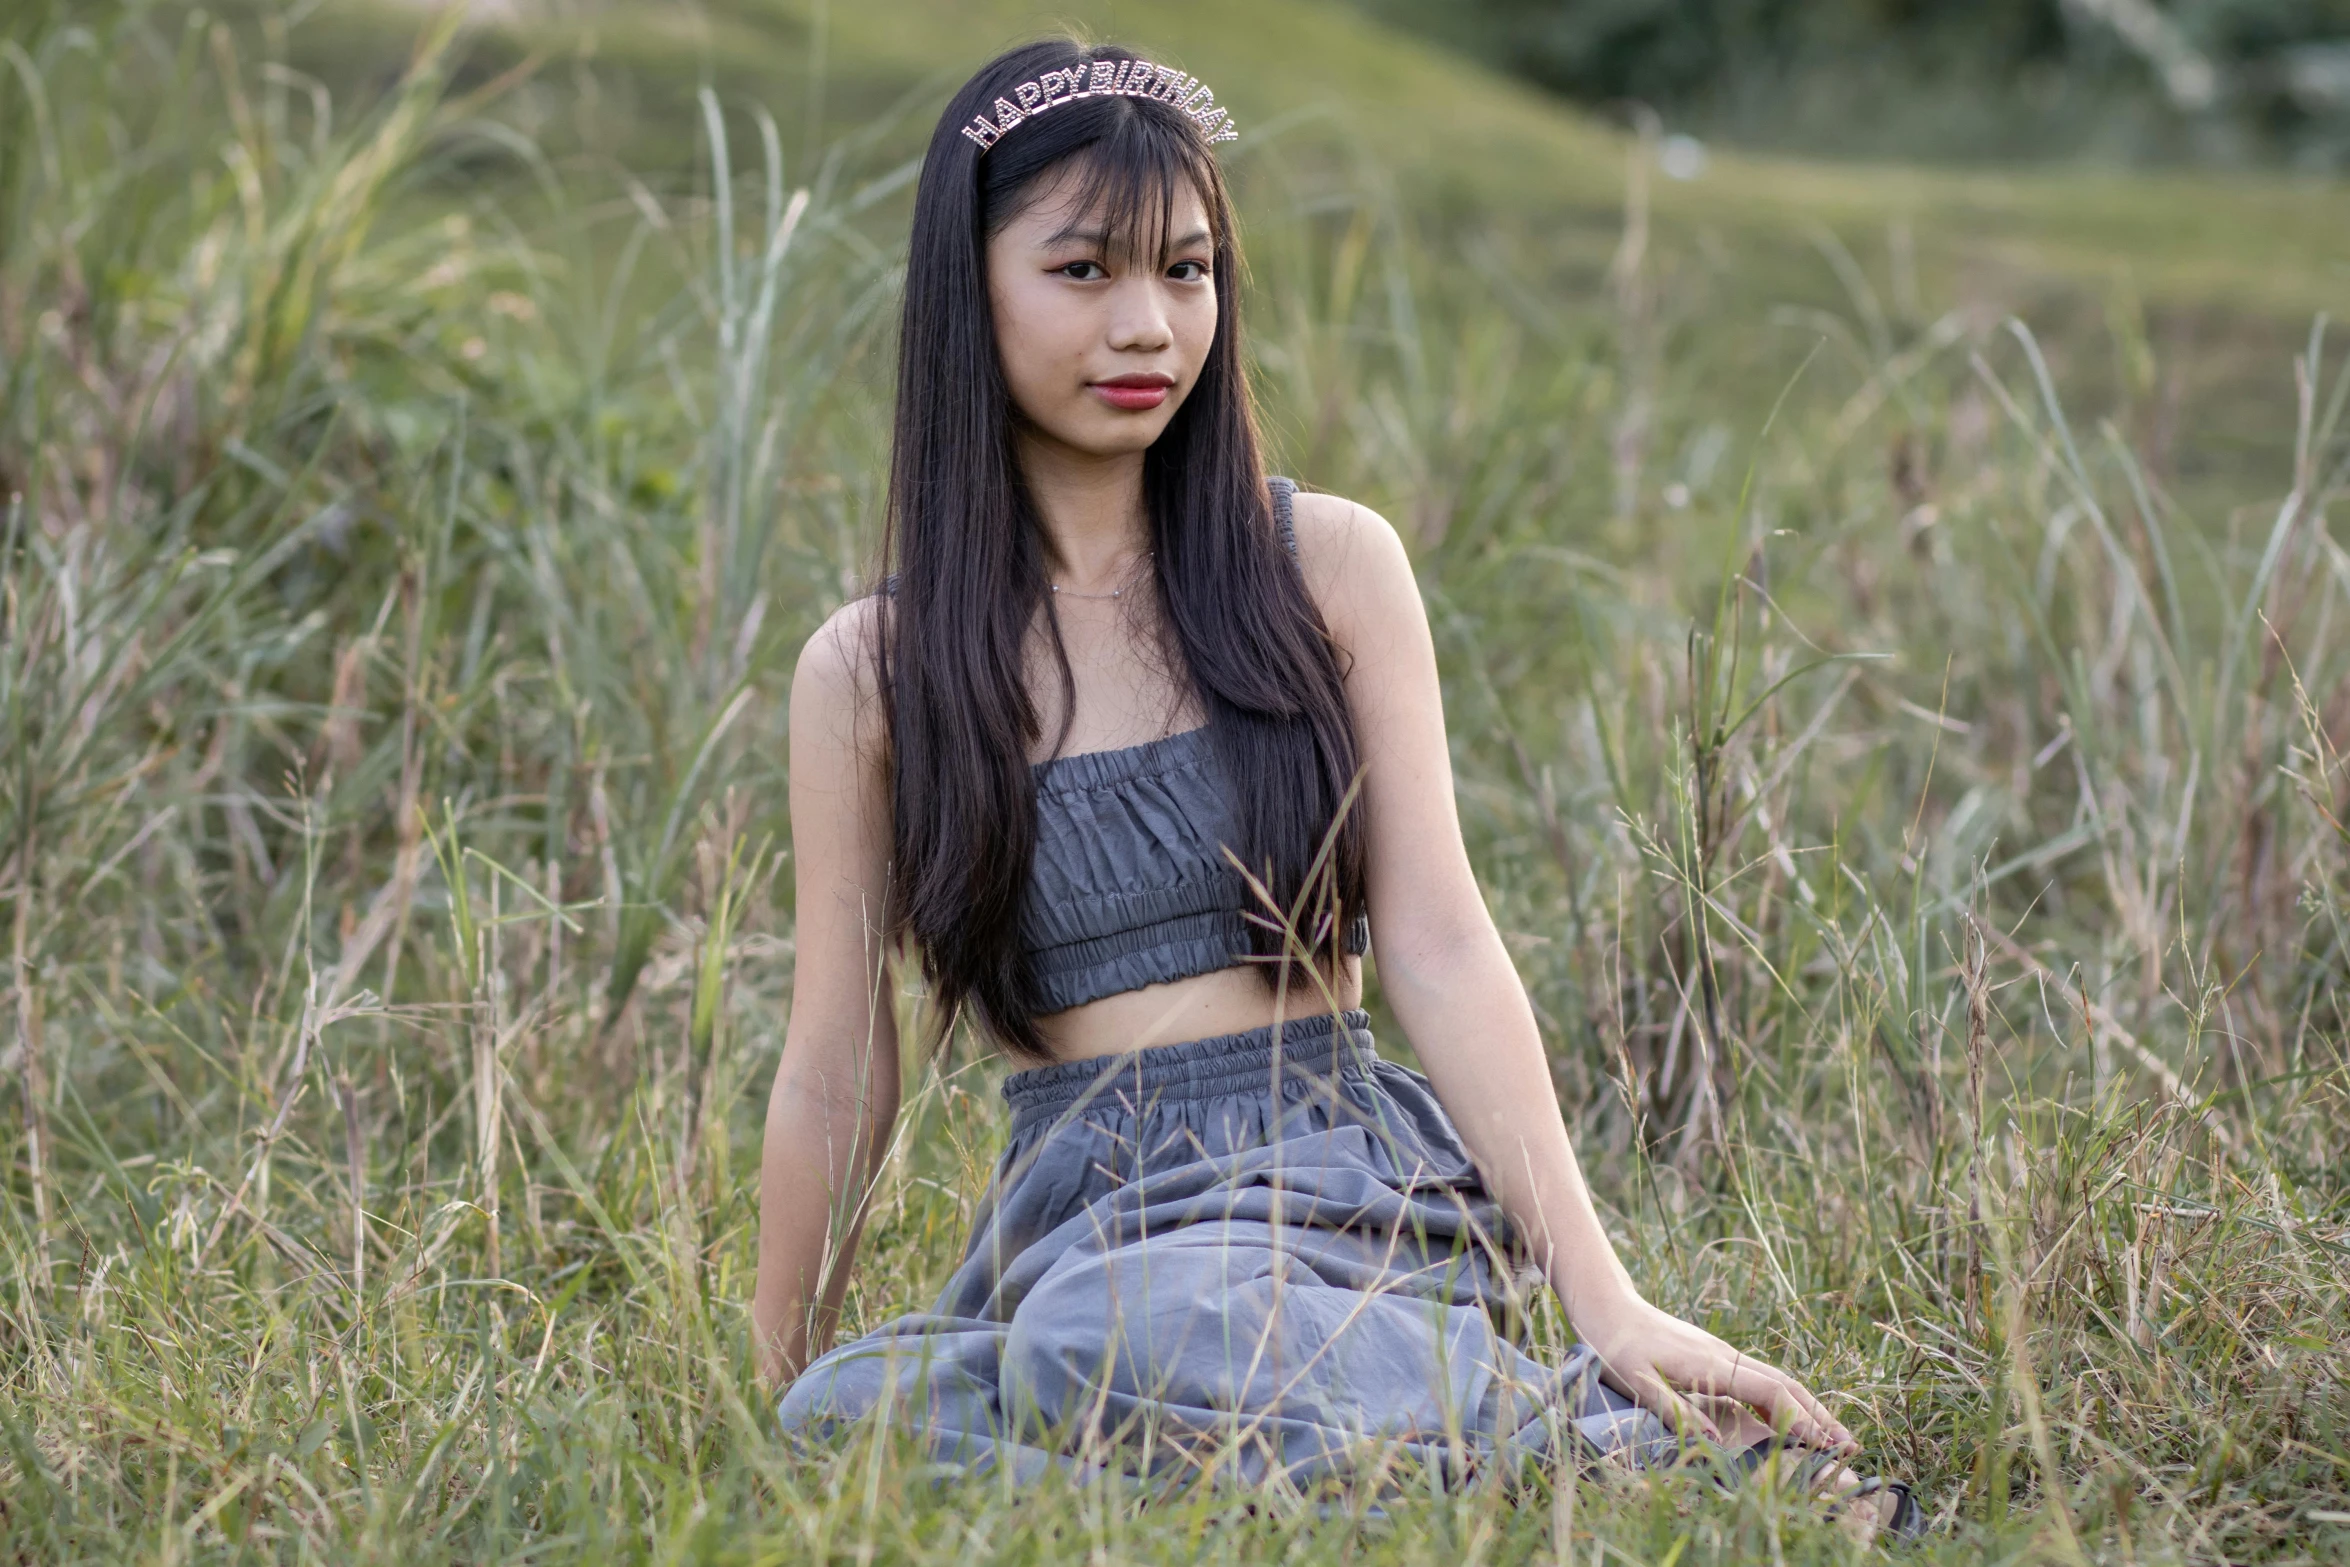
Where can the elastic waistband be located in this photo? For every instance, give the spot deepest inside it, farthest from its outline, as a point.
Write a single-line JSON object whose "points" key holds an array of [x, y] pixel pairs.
{"points": [[1198, 1068]]}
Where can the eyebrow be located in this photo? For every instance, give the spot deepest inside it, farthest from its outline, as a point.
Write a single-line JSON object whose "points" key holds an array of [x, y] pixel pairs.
{"points": [[1099, 239]]}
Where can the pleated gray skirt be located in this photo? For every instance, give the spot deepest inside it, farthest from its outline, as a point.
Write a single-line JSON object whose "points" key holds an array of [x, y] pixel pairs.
{"points": [[1245, 1256]]}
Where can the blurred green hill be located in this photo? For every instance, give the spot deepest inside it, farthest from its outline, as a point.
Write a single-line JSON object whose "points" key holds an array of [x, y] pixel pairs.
{"points": [[1456, 137], [1508, 196]]}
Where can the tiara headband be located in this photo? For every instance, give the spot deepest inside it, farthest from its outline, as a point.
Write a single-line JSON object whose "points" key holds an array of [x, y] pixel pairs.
{"points": [[1105, 79]]}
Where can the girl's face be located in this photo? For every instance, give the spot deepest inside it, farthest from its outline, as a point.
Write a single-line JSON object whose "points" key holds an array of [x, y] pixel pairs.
{"points": [[1099, 345]]}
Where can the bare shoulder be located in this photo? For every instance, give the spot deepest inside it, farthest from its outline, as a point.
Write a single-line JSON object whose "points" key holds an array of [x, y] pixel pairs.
{"points": [[836, 683], [837, 658], [1328, 523], [1354, 562]]}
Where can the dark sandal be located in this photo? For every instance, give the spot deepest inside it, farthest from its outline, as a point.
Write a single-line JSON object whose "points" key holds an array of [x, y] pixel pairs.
{"points": [[1907, 1521]]}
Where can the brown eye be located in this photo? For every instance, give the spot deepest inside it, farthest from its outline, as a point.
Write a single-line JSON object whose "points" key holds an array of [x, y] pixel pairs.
{"points": [[1083, 271], [1189, 271]]}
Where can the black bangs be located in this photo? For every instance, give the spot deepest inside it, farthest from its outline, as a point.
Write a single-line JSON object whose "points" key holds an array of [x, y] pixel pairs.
{"points": [[1130, 157]]}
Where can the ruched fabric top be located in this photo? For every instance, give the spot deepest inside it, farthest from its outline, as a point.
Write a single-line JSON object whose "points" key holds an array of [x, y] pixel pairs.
{"points": [[1130, 886]]}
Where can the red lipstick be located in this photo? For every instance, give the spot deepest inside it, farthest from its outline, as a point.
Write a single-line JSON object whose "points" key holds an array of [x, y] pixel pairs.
{"points": [[1136, 393]]}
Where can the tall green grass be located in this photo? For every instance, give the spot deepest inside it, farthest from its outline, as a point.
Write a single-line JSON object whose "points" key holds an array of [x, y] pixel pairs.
{"points": [[1921, 836]]}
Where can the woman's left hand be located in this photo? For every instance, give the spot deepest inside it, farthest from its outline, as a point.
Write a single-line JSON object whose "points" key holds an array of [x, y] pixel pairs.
{"points": [[1668, 1364]]}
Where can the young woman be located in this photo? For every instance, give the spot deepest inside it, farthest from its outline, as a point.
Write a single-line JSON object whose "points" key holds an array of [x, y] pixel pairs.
{"points": [[1134, 749]]}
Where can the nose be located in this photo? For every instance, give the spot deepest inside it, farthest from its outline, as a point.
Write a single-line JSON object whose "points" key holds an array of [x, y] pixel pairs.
{"points": [[1138, 316]]}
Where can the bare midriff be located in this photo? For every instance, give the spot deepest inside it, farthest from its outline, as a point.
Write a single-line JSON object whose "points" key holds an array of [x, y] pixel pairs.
{"points": [[1229, 1001]]}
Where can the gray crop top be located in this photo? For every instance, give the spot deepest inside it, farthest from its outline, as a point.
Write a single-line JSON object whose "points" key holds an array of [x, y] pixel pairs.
{"points": [[1130, 886]]}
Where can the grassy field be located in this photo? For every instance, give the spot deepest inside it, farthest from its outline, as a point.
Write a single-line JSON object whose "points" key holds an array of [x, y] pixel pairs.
{"points": [[1903, 746]]}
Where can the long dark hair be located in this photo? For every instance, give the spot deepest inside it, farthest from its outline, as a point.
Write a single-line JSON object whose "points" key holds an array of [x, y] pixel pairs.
{"points": [[970, 577]]}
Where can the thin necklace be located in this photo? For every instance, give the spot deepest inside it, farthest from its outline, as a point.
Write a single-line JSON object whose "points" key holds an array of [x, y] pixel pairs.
{"points": [[1117, 592]]}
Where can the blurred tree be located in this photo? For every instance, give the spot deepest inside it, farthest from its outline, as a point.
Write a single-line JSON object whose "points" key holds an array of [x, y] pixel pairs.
{"points": [[2229, 80]]}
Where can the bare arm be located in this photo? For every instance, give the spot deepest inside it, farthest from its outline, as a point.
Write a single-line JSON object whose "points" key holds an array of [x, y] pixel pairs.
{"points": [[1452, 987], [836, 1090]]}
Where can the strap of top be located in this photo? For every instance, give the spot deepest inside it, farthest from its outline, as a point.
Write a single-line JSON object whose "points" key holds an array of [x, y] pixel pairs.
{"points": [[1284, 511]]}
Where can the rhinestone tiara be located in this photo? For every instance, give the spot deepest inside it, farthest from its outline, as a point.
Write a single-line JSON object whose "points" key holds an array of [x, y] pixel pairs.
{"points": [[1105, 79]]}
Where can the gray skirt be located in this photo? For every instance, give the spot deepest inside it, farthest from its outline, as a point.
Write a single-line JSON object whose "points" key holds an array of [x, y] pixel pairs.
{"points": [[1245, 1256]]}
